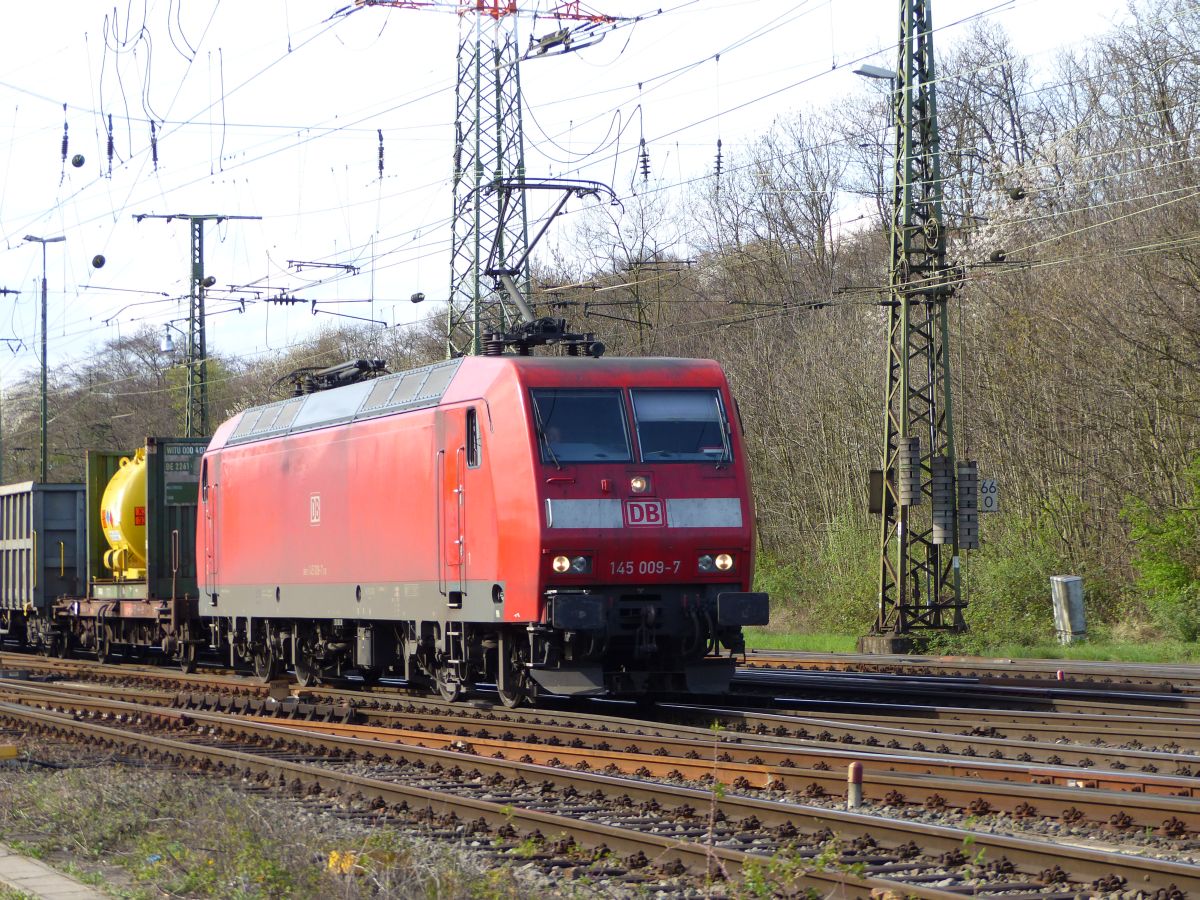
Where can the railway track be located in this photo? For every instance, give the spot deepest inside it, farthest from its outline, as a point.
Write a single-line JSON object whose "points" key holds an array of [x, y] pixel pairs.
{"points": [[1166, 677], [686, 831]]}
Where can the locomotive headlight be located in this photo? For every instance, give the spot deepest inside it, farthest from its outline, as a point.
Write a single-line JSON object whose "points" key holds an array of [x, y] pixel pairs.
{"points": [[639, 484], [561, 564], [581, 565], [715, 562]]}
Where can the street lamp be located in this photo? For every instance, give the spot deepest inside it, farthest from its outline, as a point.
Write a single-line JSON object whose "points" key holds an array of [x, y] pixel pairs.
{"points": [[167, 344], [869, 71], [43, 241]]}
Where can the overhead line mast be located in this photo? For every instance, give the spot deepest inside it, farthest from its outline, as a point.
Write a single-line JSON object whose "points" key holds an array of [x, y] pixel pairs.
{"points": [[490, 223], [921, 488], [196, 403]]}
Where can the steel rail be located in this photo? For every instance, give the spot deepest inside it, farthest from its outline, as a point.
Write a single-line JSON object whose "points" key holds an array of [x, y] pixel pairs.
{"points": [[900, 739], [1044, 669], [1073, 802], [697, 858], [1029, 855]]}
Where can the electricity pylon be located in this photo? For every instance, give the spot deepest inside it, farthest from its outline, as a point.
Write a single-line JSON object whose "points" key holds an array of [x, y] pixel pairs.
{"points": [[489, 152], [488, 147], [919, 573]]}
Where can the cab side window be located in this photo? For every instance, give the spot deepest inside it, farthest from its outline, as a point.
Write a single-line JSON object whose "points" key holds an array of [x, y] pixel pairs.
{"points": [[473, 442]]}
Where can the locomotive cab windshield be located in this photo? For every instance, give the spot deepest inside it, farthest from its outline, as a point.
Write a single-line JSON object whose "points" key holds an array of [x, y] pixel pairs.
{"points": [[681, 426], [671, 425], [581, 426]]}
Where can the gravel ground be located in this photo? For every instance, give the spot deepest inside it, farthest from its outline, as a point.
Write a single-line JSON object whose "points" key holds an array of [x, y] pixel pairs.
{"points": [[143, 832]]}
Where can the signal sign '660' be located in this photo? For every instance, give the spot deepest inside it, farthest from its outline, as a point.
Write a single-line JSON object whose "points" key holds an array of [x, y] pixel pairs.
{"points": [[645, 512]]}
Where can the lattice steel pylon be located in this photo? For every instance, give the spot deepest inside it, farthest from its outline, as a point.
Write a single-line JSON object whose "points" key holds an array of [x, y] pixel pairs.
{"points": [[488, 148], [490, 224], [919, 573]]}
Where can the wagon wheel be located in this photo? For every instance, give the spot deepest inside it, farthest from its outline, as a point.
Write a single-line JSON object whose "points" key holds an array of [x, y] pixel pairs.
{"points": [[103, 646], [62, 647], [266, 662], [448, 688], [185, 655]]}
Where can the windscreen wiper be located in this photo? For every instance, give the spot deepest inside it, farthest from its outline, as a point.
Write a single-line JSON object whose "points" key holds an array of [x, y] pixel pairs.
{"points": [[541, 430]]}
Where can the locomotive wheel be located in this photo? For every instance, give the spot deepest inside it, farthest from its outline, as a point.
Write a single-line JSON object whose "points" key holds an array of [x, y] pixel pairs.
{"points": [[266, 663], [514, 697], [520, 687], [449, 689], [308, 673], [103, 648]]}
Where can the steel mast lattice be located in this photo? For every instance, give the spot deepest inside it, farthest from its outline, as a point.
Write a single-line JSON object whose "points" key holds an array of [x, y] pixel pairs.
{"points": [[919, 580], [488, 149]]}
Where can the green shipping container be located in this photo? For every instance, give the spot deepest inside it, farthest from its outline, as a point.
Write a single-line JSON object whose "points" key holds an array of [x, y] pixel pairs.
{"points": [[172, 492]]}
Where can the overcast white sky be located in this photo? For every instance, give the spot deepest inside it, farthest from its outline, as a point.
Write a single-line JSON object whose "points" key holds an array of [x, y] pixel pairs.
{"points": [[270, 108]]}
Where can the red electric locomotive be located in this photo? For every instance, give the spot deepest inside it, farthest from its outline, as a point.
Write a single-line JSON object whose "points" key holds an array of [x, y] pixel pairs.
{"points": [[563, 524]]}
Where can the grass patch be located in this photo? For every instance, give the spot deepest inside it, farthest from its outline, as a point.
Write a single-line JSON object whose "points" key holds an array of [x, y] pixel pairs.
{"points": [[1101, 650], [765, 639], [1106, 651], [168, 833]]}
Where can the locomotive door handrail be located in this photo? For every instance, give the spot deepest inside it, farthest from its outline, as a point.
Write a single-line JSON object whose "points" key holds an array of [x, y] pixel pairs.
{"points": [[460, 492], [210, 534], [439, 476]]}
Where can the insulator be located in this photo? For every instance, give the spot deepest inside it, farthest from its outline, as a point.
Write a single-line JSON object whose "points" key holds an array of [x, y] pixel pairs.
{"points": [[110, 145], [98, 261], [65, 142], [719, 161], [154, 146], [968, 505], [998, 256], [644, 161], [941, 490], [380, 132], [909, 476], [1016, 192]]}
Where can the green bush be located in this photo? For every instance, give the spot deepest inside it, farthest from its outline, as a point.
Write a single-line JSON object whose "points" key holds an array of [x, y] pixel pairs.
{"points": [[1167, 558], [828, 588], [1007, 582]]}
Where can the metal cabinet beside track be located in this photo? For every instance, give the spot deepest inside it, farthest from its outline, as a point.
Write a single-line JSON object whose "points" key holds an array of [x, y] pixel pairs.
{"points": [[42, 545]]}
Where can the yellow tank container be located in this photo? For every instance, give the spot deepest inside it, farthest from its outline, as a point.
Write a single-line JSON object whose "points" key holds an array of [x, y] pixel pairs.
{"points": [[123, 518]]}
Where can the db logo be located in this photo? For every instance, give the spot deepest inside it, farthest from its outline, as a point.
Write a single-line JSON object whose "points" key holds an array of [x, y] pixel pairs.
{"points": [[645, 512], [314, 509]]}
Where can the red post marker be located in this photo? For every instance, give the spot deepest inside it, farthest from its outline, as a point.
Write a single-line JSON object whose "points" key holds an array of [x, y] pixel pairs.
{"points": [[1060, 676], [854, 794]]}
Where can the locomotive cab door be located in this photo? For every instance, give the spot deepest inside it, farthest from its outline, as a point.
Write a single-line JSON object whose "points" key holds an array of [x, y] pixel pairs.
{"points": [[451, 501], [209, 470]]}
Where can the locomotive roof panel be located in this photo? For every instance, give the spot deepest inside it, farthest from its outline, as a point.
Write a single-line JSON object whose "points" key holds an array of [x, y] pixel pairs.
{"points": [[427, 386], [414, 389]]}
